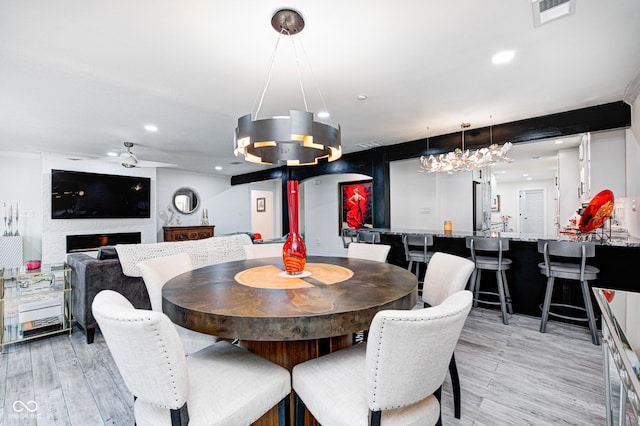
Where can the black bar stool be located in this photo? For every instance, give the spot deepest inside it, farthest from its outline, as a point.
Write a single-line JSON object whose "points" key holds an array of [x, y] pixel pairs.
{"points": [[348, 236], [369, 237], [416, 249], [491, 259], [557, 257]]}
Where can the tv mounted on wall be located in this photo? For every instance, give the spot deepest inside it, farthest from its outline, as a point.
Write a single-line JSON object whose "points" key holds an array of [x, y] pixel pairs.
{"points": [[81, 195]]}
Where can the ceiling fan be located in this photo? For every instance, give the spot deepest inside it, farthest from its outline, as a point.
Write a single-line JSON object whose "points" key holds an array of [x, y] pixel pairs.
{"points": [[129, 160]]}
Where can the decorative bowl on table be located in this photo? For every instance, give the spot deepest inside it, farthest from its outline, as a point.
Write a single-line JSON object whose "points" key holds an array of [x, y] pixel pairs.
{"points": [[597, 211]]}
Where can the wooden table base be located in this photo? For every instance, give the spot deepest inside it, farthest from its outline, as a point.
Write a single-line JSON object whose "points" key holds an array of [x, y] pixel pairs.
{"points": [[289, 353]]}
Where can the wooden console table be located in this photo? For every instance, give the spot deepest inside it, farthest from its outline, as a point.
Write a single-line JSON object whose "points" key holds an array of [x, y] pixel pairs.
{"points": [[184, 233]]}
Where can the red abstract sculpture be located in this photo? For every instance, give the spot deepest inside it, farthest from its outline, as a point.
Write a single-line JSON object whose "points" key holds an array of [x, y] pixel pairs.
{"points": [[597, 212]]}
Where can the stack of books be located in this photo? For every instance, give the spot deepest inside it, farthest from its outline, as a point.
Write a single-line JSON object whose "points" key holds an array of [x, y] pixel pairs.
{"points": [[43, 325]]}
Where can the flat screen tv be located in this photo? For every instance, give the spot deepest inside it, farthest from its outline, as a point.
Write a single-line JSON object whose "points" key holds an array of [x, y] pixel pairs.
{"points": [[81, 195]]}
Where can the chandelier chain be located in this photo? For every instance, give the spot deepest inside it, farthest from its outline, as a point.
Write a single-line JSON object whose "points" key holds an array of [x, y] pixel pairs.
{"points": [[269, 70], [295, 54], [313, 77]]}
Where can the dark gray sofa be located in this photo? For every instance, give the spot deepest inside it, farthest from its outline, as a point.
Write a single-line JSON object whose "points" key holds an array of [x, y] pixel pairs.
{"points": [[91, 275]]}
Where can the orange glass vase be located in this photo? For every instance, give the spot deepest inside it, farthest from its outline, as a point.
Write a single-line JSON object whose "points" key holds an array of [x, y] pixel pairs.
{"points": [[294, 252]]}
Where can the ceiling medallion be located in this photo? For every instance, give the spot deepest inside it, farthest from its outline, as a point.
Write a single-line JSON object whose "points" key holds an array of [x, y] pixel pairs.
{"points": [[296, 139], [461, 160]]}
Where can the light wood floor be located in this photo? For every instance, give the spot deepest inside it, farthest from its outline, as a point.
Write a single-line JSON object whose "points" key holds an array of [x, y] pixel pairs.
{"points": [[510, 375]]}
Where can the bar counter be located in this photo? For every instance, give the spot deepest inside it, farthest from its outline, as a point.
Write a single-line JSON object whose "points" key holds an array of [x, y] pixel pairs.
{"points": [[618, 261]]}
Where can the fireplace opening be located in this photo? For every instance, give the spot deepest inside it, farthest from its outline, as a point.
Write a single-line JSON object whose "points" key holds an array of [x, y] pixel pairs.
{"points": [[91, 242]]}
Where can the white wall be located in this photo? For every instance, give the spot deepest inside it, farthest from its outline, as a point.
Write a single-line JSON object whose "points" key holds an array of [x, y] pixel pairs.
{"points": [[425, 200], [21, 185], [321, 213], [207, 187], [608, 163]]}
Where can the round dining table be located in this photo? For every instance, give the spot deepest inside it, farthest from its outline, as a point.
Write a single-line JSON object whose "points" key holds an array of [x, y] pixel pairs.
{"points": [[288, 319]]}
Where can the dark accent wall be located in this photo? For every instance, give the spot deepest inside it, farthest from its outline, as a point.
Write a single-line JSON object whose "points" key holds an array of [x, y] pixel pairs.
{"points": [[375, 162]]}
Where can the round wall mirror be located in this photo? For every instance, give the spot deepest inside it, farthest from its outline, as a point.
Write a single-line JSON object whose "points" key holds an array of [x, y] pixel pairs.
{"points": [[185, 200]]}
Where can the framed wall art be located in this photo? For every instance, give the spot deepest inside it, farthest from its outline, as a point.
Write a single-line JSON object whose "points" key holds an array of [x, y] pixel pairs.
{"points": [[261, 204], [495, 204], [356, 205]]}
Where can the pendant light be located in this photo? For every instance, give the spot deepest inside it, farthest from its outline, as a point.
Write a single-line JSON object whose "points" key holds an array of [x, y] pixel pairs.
{"points": [[295, 139]]}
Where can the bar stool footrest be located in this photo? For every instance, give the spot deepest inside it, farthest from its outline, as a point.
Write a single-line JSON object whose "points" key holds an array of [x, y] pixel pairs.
{"points": [[567, 317], [489, 302]]}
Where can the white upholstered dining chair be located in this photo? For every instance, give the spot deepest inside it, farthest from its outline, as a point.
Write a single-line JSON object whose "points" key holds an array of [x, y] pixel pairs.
{"points": [[221, 384], [256, 251], [447, 274], [395, 378], [155, 273], [377, 252]]}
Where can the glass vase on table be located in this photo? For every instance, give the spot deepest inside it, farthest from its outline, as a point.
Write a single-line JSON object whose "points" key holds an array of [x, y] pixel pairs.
{"points": [[294, 251]]}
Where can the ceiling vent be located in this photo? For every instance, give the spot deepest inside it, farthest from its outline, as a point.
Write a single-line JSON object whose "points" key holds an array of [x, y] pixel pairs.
{"points": [[547, 10], [368, 145]]}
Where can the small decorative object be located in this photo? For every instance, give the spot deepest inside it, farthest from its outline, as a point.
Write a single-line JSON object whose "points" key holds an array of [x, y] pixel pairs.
{"points": [[8, 221], [17, 233], [448, 227], [505, 222], [6, 231], [167, 218], [32, 264], [294, 252], [597, 212], [205, 217], [609, 295], [30, 280]]}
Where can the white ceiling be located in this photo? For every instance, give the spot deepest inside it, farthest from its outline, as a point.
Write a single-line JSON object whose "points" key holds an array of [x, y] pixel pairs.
{"points": [[81, 77]]}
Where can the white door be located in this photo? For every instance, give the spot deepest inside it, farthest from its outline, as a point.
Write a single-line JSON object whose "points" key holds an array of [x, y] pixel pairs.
{"points": [[531, 207]]}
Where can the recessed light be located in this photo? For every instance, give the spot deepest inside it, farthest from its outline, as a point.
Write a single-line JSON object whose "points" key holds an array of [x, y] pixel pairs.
{"points": [[323, 114], [525, 174], [559, 141], [529, 178], [218, 167], [150, 128], [362, 97], [503, 57], [112, 154]]}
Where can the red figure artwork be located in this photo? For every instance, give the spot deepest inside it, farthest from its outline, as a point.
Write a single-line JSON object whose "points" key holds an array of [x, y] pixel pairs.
{"points": [[356, 205]]}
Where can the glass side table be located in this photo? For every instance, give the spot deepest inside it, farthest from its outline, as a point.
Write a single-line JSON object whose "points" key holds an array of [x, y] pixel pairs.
{"points": [[34, 303], [621, 338]]}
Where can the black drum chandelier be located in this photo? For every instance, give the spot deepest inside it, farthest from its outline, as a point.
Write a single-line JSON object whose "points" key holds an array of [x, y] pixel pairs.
{"points": [[296, 139]]}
